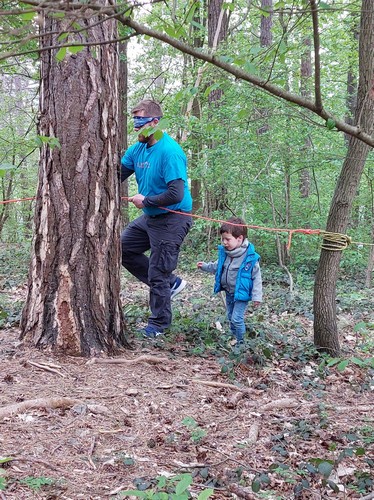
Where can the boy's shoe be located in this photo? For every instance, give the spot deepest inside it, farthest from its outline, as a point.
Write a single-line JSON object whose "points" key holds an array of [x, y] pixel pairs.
{"points": [[151, 332], [178, 286]]}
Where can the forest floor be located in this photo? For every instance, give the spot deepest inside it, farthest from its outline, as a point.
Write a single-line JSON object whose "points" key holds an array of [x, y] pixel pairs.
{"points": [[188, 413]]}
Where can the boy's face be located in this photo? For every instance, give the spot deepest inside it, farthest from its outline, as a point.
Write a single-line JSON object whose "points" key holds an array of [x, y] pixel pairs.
{"points": [[230, 242]]}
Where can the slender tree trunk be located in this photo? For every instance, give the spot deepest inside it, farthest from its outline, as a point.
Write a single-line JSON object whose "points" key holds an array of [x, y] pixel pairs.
{"points": [[73, 303], [305, 77], [266, 34], [217, 33], [326, 335]]}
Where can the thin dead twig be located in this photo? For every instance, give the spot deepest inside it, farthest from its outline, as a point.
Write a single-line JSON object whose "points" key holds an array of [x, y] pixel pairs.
{"points": [[45, 367], [90, 452], [37, 461], [140, 359]]}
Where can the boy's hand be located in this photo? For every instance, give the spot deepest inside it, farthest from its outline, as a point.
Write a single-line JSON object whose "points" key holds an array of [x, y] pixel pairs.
{"points": [[200, 265], [256, 304]]}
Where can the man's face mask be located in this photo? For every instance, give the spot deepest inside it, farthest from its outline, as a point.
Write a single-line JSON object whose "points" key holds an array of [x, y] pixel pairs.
{"points": [[140, 121]]}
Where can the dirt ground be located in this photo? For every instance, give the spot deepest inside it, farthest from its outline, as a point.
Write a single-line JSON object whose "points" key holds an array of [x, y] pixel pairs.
{"points": [[98, 429]]}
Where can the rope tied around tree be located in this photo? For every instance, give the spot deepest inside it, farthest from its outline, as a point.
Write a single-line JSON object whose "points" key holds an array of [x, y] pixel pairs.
{"points": [[336, 242]]}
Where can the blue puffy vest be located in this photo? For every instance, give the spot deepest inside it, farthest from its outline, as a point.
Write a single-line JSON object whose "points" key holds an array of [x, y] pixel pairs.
{"points": [[244, 281]]}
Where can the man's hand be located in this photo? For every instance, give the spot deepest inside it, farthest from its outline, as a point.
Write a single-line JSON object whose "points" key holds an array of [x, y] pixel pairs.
{"points": [[137, 200]]}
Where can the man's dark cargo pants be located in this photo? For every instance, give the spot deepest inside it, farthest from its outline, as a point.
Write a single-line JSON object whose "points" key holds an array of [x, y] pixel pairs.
{"points": [[163, 235]]}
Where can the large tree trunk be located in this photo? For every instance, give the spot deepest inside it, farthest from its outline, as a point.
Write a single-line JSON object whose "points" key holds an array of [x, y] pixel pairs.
{"points": [[325, 326], [73, 302]]}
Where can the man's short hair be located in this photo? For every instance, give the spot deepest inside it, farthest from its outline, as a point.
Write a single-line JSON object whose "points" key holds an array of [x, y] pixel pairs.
{"points": [[150, 108], [236, 231]]}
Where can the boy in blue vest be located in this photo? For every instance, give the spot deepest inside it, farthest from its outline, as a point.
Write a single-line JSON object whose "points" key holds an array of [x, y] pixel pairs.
{"points": [[237, 272]]}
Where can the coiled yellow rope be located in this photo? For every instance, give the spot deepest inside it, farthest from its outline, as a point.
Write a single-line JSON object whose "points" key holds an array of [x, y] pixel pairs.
{"points": [[335, 241]]}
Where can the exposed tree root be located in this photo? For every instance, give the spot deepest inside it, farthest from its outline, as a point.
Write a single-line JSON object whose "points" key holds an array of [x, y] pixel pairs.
{"points": [[140, 359], [8, 411]]}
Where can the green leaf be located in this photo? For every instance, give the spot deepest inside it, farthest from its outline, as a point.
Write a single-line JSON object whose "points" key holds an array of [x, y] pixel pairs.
{"points": [[4, 168], [324, 5], [60, 56], [342, 365], [250, 68], [283, 48], [2, 483], [360, 326], [360, 452], [62, 37], [256, 485], [74, 49], [4, 460], [330, 123], [205, 494], [226, 59], [134, 493], [158, 134], [255, 50], [264, 13], [229, 6], [171, 31], [325, 468], [189, 422], [333, 361], [358, 361], [279, 5], [183, 484], [28, 16], [333, 486], [243, 113]]}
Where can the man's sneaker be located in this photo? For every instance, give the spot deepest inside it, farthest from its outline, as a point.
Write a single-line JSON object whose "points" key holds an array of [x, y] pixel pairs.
{"points": [[177, 287], [151, 332]]}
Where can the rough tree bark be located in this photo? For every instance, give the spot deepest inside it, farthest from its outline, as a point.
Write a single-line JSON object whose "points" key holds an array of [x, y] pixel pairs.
{"points": [[326, 335], [73, 303]]}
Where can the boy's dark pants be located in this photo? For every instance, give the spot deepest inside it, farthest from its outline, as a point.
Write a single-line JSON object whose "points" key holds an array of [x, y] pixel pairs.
{"points": [[163, 235]]}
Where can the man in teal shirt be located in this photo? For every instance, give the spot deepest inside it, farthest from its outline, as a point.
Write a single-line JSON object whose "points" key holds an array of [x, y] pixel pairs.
{"points": [[160, 167]]}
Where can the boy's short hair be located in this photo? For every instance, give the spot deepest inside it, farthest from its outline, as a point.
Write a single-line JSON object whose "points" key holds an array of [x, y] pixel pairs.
{"points": [[236, 231], [150, 108]]}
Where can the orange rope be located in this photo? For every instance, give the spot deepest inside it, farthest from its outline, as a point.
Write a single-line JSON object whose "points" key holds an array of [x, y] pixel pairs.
{"points": [[290, 232], [4, 202]]}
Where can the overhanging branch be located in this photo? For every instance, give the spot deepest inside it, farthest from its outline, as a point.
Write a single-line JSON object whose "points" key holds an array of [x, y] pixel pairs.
{"points": [[239, 73]]}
